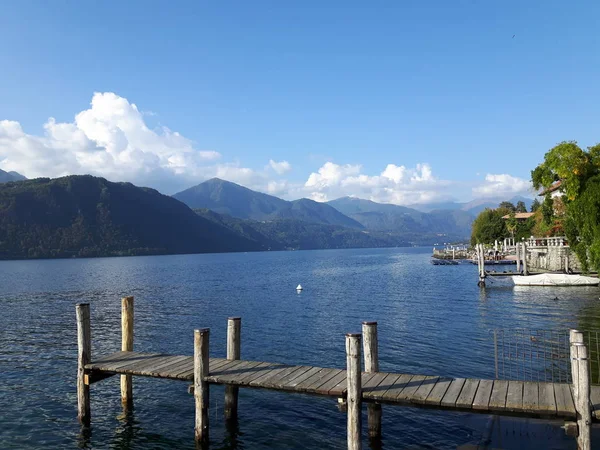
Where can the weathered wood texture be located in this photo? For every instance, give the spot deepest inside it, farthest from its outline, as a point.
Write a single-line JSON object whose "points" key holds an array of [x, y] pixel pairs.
{"points": [[84, 356], [371, 357], [582, 398], [234, 328], [201, 396], [354, 390], [485, 396], [127, 346]]}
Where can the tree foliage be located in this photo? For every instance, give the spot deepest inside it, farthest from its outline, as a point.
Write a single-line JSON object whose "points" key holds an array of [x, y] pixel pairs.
{"points": [[489, 226], [507, 205], [535, 205], [570, 164], [521, 208], [582, 224], [579, 173]]}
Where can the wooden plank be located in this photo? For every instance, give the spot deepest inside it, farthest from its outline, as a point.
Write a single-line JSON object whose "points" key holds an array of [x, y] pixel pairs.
{"points": [[378, 392], [467, 394], [409, 391], [143, 366], [425, 389], [166, 368], [265, 371], [261, 371], [547, 402], [451, 395], [482, 397], [398, 386], [286, 380], [296, 381], [514, 396], [188, 361], [233, 373], [317, 379], [272, 380], [365, 378], [531, 397], [595, 400], [117, 363], [438, 391], [565, 407], [327, 388], [258, 382], [498, 397], [189, 374], [374, 382]]}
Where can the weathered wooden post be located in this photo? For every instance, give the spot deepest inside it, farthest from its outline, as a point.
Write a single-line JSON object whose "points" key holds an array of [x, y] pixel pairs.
{"points": [[525, 271], [354, 391], [581, 392], [84, 356], [518, 256], [201, 395], [575, 339], [481, 265], [234, 326], [127, 346], [566, 261], [371, 356]]}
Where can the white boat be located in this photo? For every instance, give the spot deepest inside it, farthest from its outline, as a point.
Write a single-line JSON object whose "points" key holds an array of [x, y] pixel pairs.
{"points": [[555, 279]]}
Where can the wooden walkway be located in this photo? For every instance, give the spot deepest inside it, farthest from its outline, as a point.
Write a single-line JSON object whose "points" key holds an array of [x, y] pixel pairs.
{"points": [[535, 399]]}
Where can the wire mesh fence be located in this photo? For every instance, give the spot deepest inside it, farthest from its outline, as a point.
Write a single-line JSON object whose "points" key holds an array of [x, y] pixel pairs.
{"points": [[541, 355]]}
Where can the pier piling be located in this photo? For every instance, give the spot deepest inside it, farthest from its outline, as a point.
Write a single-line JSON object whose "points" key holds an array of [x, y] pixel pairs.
{"points": [[580, 371], [234, 325], [84, 356], [354, 391], [371, 357], [524, 251], [127, 346], [201, 392]]}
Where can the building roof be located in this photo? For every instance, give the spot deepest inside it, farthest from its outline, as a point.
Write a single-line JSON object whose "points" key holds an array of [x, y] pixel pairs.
{"points": [[519, 216], [553, 187]]}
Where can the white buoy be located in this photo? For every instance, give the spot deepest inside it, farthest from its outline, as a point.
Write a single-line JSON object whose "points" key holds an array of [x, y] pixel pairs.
{"points": [[299, 287]]}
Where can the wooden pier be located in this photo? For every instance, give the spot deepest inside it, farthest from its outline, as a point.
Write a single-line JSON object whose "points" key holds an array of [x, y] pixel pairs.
{"points": [[504, 397]]}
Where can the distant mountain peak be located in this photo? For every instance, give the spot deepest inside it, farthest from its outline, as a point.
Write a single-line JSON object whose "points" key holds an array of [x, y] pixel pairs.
{"points": [[5, 177], [225, 197]]}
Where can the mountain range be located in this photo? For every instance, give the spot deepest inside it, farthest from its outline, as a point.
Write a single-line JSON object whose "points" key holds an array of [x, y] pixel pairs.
{"points": [[225, 197], [89, 216], [407, 224], [5, 177], [79, 216], [474, 206]]}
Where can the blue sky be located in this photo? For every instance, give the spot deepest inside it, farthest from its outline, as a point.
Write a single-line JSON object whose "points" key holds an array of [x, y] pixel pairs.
{"points": [[402, 102]]}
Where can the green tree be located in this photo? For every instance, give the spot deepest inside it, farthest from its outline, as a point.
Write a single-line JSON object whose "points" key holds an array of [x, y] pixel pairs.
{"points": [[521, 208], [570, 164], [548, 209], [489, 226], [507, 205], [582, 224], [579, 173], [535, 205]]}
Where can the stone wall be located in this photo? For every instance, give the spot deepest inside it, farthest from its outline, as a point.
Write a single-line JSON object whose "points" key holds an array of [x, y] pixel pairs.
{"points": [[551, 258]]}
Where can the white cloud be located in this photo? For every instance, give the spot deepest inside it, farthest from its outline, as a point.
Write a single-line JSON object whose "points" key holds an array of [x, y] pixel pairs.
{"points": [[396, 184], [501, 185], [111, 139], [280, 167]]}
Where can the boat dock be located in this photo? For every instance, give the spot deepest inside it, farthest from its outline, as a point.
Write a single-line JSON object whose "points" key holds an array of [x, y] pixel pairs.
{"points": [[556, 401]]}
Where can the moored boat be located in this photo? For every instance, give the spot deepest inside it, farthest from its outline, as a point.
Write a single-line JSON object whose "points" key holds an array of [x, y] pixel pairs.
{"points": [[555, 279]]}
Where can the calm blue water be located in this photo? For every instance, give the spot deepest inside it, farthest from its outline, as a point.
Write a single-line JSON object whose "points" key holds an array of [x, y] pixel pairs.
{"points": [[432, 320]]}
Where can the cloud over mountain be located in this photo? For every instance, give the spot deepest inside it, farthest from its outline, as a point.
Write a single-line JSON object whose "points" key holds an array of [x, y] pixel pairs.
{"points": [[112, 139], [502, 185], [396, 184]]}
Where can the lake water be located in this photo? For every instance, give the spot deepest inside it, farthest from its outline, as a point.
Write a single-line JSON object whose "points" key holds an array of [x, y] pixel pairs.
{"points": [[432, 320]]}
